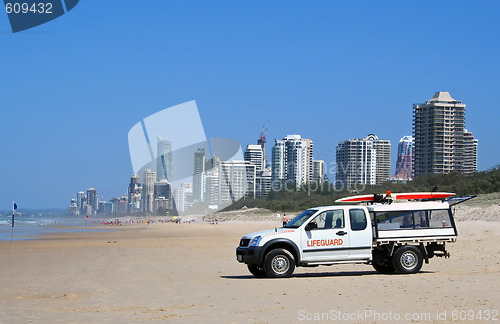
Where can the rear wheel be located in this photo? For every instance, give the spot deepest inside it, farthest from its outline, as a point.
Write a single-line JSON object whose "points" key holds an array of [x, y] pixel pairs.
{"points": [[407, 259], [279, 263], [256, 270]]}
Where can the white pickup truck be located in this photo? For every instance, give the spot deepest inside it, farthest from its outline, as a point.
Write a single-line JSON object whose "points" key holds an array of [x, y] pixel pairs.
{"points": [[395, 237]]}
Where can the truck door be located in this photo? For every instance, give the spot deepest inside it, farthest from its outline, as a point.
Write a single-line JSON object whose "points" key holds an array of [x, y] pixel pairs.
{"points": [[325, 237], [360, 234]]}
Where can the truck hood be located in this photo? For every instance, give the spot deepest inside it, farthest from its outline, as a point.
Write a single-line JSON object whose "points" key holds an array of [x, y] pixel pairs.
{"points": [[270, 232]]}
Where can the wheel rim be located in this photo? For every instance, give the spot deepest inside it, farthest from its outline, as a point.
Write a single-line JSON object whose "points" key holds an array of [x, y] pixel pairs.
{"points": [[409, 260], [280, 264]]}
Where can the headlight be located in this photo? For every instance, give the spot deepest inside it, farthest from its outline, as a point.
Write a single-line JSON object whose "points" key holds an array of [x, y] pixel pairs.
{"points": [[255, 241]]}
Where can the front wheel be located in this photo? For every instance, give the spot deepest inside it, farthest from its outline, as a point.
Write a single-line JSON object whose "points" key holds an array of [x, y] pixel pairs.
{"points": [[407, 259], [383, 267], [279, 263], [256, 270]]}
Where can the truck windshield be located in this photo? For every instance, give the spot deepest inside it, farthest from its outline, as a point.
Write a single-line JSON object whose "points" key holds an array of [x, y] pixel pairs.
{"points": [[301, 218]]}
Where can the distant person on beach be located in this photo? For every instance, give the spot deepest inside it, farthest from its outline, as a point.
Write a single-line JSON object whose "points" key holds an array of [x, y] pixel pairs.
{"points": [[285, 219]]}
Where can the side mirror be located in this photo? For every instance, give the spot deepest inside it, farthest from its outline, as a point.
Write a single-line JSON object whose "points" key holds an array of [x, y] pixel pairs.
{"points": [[310, 226]]}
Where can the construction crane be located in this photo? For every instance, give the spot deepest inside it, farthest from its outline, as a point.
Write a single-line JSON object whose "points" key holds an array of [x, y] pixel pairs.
{"points": [[262, 142]]}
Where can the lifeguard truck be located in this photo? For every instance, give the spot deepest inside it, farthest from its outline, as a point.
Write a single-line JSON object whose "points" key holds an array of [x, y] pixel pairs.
{"points": [[392, 237]]}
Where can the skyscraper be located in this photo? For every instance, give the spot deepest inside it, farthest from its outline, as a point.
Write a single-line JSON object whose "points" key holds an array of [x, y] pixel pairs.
{"points": [[356, 163], [383, 164], [255, 156], [262, 143], [363, 161], [404, 162], [278, 169], [212, 187], [134, 194], [439, 132], [164, 166], [181, 196], [148, 190], [236, 180], [292, 160], [92, 200], [470, 153], [133, 187], [80, 201], [199, 175], [163, 196], [318, 171]]}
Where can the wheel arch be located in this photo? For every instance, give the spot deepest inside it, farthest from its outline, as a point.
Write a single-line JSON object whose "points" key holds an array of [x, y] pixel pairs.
{"points": [[282, 243]]}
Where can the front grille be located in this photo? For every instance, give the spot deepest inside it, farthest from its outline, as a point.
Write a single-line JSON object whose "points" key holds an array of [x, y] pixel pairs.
{"points": [[244, 242]]}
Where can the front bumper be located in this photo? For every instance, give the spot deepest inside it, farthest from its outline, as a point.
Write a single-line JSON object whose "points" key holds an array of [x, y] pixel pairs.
{"points": [[249, 255]]}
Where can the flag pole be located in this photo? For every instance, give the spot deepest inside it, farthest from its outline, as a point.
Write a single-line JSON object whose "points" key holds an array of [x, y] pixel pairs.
{"points": [[12, 228]]}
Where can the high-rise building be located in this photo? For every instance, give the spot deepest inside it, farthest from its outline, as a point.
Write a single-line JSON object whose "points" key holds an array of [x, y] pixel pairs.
{"points": [[119, 205], [383, 164], [183, 196], [262, 143], [263, 184], [318, 171], [470, 153], [133, 189], [199, 175], [164, 168], [80, 201], [255, 156], [292, 160], [73, 208], [278, 169], [356, 163], [148, 190], [92, 200], [363, 161], [163, 194], [212, 188], [404, 162], [439, 132], [236, 180]]}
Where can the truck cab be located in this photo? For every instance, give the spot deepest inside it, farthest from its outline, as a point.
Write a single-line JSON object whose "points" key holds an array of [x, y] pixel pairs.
{"points": [[317, 236]]}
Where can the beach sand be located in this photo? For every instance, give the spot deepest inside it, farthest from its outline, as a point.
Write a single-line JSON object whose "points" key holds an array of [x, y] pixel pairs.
{"points": [[188, 273]]}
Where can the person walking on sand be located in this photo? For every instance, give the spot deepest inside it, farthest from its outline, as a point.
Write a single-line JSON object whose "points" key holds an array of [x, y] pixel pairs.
{"points": [[285, 220]]}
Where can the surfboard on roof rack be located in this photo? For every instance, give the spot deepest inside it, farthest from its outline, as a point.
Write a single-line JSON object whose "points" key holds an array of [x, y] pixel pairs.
{"points": [[389, 196]]}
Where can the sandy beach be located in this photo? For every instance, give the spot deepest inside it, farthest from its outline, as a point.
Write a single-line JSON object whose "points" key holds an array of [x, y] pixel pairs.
{"points": [[188, 273]]}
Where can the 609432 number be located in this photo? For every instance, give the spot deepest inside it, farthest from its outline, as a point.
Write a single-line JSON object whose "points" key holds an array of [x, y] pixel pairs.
{"points": [[471, 315], [24, 8]]}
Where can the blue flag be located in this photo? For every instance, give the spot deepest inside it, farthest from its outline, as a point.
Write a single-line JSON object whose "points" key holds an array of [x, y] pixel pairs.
{"points": [[15, 206]]}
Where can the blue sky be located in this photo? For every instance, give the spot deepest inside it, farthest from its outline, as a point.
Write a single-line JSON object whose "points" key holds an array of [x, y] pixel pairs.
{"points": [[329, 70]]}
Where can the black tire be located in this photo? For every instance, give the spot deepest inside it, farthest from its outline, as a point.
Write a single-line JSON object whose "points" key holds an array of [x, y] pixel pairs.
{"points": [[386, 267], [256, 270], [279, 263], [407, 259], [381, 262]]}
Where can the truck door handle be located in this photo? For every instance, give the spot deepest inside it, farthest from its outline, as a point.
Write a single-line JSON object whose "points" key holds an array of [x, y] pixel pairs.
{"points": [[341, 233]]}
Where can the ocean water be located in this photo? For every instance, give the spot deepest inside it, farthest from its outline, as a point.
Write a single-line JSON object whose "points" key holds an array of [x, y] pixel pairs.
{"points": [[34, 226]]}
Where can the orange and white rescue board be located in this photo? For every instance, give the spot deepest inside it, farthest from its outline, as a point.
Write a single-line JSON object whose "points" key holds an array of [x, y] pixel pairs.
{"points": [[397, 196]]}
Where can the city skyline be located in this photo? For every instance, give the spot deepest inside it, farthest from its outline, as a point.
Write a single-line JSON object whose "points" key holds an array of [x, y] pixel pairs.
{"points": [[326, 70], [439, 129]]}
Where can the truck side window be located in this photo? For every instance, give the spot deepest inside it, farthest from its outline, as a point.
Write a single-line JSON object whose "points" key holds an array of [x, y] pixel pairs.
{"points": [[440, 218], [421, 218], [358, 219], [330, 219]]}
